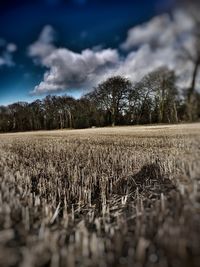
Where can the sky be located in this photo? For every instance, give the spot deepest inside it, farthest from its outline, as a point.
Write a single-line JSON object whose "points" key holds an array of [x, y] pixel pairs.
{"points": [[58, 47]]}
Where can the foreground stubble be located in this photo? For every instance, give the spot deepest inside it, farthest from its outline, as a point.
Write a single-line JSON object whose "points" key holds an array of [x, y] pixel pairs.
{"points": [[101, 197]]}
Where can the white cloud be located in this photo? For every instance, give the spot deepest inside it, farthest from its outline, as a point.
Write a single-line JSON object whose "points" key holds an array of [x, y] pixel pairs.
{"points": [[2, 61], [69, 70], [6, 56], [160, 31], [165, 38], [141, 62], [160, 43], [11, 48], [146, 60], [146, 33], [6, 60], [43, 47]]}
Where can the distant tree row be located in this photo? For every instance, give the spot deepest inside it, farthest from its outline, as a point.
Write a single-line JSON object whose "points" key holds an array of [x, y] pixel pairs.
{"points": [[116, 101]]}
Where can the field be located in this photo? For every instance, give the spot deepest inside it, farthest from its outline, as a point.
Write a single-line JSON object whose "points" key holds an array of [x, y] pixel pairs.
{"points": [[123, 196]]}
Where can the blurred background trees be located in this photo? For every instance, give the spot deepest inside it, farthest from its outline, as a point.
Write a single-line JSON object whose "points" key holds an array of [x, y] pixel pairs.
{"points": [[116, 101]]}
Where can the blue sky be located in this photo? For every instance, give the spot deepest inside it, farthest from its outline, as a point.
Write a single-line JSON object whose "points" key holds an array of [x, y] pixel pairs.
{"points": [[77, 25]]}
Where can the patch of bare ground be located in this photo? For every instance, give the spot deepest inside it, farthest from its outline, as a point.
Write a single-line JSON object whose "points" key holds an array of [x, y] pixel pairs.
{"points": [[124, 196]]}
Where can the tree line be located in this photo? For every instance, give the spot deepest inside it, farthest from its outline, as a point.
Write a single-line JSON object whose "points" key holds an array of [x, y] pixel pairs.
{"points": [[116, 101]]}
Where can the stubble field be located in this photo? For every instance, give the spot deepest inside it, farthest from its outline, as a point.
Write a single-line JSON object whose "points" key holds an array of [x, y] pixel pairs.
{"points": [[123, 196]]}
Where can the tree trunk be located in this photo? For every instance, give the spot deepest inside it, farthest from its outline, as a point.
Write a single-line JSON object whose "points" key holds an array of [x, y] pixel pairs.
{"points": [[175, 113], [113, 117], [161, 104], [70, 118], [61, 121], [14, 123], [191, 91]]}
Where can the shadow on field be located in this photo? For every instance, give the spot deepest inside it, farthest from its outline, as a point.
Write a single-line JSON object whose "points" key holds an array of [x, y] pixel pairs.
{"points": [[149, 178]]}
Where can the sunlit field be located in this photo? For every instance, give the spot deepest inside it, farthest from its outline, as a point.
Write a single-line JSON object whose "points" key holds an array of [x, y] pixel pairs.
{"points": [[121, 196]]}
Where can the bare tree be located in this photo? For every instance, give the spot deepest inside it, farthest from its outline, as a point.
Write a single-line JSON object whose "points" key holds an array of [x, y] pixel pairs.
{"points": [[111, 95], [157, 93]]}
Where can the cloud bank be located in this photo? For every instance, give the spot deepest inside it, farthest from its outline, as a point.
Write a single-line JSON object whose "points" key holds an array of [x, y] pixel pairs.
{"points": [[148, 46], [68, 70], [161, 31]]}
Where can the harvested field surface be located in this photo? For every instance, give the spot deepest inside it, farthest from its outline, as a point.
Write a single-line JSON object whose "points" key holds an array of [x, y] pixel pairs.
{"points": [[122, 196]]}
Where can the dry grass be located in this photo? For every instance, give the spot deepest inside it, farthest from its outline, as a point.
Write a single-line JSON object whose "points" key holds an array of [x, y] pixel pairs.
{"points": [[119, 196]]}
